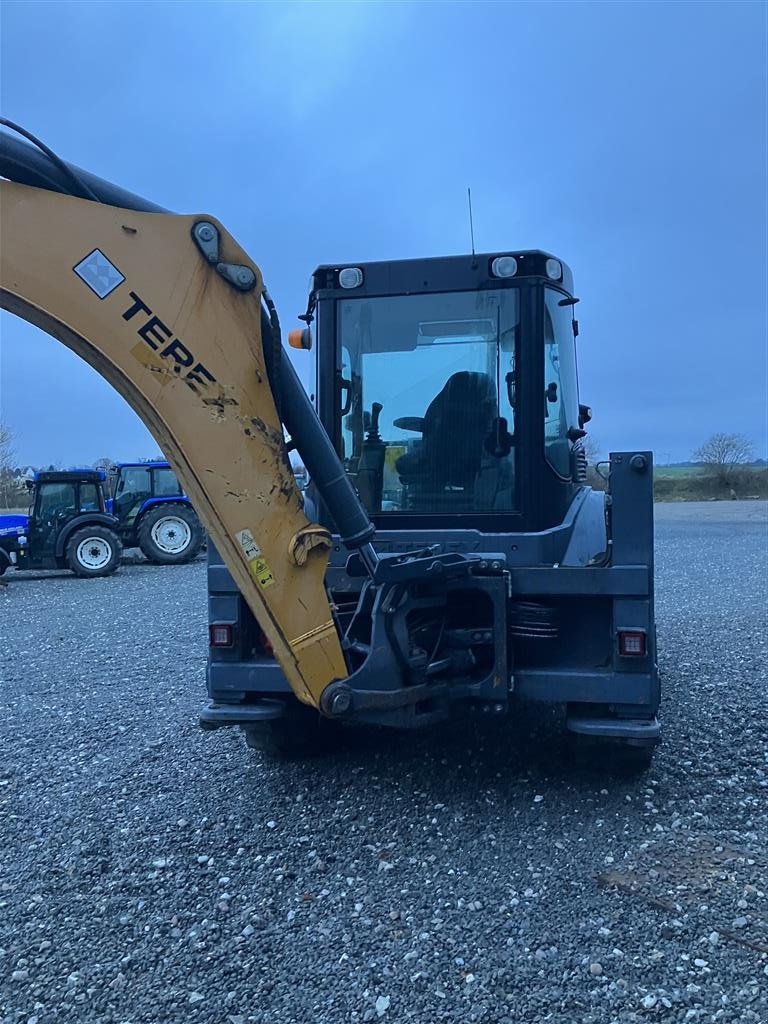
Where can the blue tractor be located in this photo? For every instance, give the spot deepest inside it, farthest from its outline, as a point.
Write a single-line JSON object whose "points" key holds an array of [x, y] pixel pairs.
{"points": [[154, 513], [68, 526]]}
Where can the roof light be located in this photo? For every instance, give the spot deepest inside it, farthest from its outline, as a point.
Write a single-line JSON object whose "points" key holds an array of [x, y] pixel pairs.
{"points": [[350, 277], [300, 337], [504, 266], [554, 269], [632, 643]]}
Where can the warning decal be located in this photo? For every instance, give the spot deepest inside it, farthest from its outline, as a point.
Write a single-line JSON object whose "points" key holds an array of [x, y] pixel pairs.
{"points": [[259, 568]]}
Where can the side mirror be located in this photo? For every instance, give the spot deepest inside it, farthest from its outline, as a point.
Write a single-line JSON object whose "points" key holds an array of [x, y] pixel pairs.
{"points": [[552, 392], [511, 388], [585, 415]]}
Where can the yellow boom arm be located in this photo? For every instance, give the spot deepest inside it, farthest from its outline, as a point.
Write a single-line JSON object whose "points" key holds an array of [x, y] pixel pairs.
{"points": [[133, 295]]}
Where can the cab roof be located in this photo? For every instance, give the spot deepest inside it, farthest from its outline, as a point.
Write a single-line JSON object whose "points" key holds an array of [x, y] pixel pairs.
{"points": [[87, 474], [442, 273]]}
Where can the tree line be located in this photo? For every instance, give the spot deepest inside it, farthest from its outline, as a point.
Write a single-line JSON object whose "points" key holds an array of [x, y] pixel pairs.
{"points": [[724, 458]]}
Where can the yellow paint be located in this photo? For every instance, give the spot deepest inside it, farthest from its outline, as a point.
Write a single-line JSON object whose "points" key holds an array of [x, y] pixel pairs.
{"points": [[232, 466]]}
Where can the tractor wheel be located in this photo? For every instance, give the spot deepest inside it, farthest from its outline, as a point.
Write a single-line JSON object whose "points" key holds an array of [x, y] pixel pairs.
{"points": [[93, 551], [170, 534]]}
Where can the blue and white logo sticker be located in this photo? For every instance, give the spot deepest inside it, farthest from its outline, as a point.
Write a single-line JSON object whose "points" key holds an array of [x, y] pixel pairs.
{"points": [[101, 276]]}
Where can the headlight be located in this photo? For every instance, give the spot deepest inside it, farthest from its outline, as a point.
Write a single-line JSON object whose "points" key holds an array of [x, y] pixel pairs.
{"points": [[350, 277], [504, 266]]}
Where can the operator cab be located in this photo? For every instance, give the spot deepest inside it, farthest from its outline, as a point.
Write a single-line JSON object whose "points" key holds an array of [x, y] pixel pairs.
{"points": [[449, 388], [57, 496], [134, 483]]}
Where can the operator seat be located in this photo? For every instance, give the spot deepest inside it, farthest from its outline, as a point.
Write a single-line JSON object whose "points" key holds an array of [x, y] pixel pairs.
{"points": [[441, 471]]}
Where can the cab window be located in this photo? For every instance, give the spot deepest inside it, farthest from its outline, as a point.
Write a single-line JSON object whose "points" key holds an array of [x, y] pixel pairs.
{"points": [[56, 499], [89, 498], [134, 480], [166, 484], [560, 387], [426, 400]]}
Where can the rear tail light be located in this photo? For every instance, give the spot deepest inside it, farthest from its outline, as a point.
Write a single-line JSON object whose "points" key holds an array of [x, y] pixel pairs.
{"points": [[220, 635], [267, 646], [632, 643]]}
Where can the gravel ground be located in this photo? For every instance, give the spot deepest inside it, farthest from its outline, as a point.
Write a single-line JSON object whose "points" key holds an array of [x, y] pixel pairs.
{"points": [[150, 873]]}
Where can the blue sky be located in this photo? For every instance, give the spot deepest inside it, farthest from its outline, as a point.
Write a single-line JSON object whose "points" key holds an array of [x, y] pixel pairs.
{"points": [[630, 139]]}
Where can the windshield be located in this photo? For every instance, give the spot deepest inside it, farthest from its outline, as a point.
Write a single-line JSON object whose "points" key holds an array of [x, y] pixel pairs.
{"points": [[438, 372], [56, 499]]}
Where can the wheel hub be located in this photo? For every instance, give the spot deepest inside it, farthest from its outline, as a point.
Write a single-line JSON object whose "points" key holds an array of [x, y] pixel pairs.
{"points": [[171, 534], [93, 553]]}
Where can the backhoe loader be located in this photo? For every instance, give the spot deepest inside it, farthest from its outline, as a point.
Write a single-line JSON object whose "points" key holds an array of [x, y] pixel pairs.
{"points": [[448, 554]]}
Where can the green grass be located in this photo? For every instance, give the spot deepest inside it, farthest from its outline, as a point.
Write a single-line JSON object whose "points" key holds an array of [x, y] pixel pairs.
{"points": [[677, 472], [695, 483]]}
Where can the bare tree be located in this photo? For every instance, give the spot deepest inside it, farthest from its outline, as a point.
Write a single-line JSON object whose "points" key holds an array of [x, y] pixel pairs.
{"points": [[592, 449], [7, 456], [722, 454]]}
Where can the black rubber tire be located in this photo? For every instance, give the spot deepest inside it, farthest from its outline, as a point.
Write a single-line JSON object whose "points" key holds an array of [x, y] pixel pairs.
{"points": [[301, 733], [99, 533], [628, 762], [614, 759], [170, 510]]}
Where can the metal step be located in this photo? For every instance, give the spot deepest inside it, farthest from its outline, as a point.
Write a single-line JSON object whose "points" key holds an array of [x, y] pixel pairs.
{"points": [[217, 716]]}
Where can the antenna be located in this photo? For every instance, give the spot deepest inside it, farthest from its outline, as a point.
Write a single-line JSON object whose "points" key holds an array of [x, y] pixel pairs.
{"points": [[471, 225]]}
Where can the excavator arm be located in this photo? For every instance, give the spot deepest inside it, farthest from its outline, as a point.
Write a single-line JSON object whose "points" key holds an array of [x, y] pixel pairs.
{"points": [[169, 310], [173, 313]]}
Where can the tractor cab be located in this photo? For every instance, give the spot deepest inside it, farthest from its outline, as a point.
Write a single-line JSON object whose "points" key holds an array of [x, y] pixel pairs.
{"points": [[68, 526], [133, 484], [154, 513], [449, 387]]}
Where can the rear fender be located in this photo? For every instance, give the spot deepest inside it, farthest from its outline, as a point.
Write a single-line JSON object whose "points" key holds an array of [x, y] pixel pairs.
{"points": [[90, 519], [175, 499]]}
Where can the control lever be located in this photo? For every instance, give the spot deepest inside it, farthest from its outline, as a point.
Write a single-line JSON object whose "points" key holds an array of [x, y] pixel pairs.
{"points": [[370, 471]]}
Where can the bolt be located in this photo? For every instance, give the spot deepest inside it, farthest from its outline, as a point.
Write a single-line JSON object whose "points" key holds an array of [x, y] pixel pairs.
{"points": [[639, 463], [338, 701], [496, 565], [205, 232], [244, 276]]}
